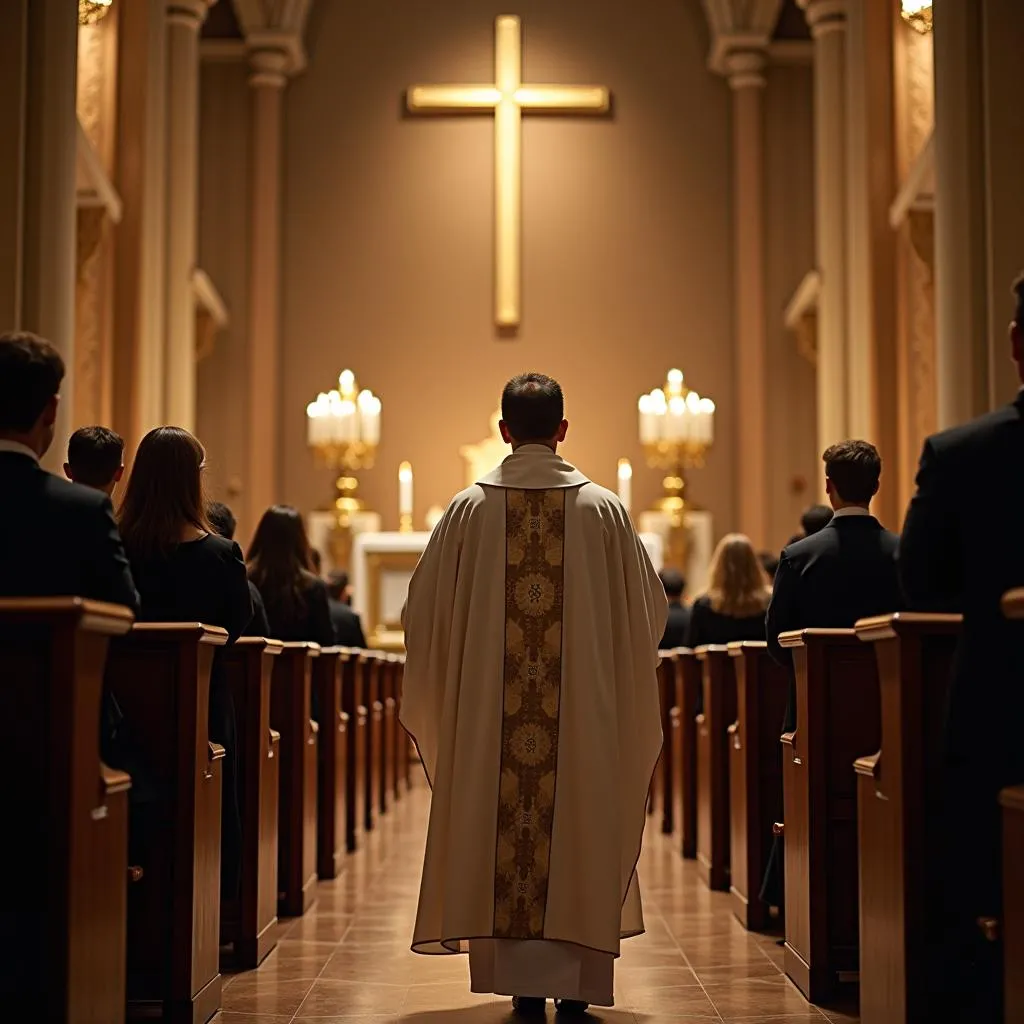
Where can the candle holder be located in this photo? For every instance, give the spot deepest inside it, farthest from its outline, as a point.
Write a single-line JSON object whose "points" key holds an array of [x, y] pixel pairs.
{"points": [[405, 522], [343, 431], [676, 431]]}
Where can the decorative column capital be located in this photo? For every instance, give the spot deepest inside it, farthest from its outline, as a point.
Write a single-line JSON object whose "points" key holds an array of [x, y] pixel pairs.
{"points": [[745, 69], [188, 14], [269, 68], [825, 16]]}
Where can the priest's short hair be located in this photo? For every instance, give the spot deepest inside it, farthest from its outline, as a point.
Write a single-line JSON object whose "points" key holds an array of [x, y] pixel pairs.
{"points": [[532, 407]]}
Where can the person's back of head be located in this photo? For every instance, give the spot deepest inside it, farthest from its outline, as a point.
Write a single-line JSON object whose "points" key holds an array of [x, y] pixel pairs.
{"points": [[737, 584], [533, 411], [163, 503], [337, 586], [95, 458], [674, 583], [279, 558], [770, 564], [852, 473], [815, 519], [222, 519], [31, 371]]}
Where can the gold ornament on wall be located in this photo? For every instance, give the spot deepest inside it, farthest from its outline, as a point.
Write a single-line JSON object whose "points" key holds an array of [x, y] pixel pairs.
{"points": [[92, 11], [917, 14]]}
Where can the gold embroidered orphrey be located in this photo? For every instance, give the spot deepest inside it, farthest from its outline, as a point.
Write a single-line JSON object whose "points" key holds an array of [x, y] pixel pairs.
{"points": [[534, 577], [508, 98]]}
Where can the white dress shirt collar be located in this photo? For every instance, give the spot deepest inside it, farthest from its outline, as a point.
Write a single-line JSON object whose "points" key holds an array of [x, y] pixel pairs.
{"points": [[17, 448], [851, 510]]}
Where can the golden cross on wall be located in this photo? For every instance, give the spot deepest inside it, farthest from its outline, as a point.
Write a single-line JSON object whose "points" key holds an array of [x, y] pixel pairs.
{"points": [[508, 98]]}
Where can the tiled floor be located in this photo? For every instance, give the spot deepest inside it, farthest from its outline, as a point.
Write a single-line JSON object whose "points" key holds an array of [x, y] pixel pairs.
{"points": [[348, 960]]}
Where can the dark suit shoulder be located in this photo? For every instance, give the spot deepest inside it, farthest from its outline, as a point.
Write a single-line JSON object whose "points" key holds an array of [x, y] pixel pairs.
{"points": [[312, 584], [966, 436], [225, 550], [73, 495]]}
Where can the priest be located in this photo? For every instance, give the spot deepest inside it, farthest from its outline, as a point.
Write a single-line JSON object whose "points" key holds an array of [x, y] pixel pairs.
{"points": [[532, 630]]}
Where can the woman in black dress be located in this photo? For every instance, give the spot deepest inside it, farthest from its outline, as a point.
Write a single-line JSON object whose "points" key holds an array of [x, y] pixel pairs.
{"points": [[184, 572], [280, 565]]}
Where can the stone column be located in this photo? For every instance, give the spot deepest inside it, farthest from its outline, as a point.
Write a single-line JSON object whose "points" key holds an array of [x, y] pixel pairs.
{"points": [[184, 19], [51, 134], [13, 61], [871, 242], [267, 82], [960, 237], [139, 306], [746, 79], [827, 19]]}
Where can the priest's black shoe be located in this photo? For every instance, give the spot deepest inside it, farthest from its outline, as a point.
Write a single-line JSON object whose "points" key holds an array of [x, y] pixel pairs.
{"points": [[528, 1006], [568, 1006]]}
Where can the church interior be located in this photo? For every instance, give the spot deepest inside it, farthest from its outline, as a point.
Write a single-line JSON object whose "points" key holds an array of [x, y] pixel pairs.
{"points": [[321, 236]]}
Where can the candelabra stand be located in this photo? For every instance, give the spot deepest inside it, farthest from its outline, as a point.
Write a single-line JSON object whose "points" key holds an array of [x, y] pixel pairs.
{"points": [[675, 457], [345, 458]]}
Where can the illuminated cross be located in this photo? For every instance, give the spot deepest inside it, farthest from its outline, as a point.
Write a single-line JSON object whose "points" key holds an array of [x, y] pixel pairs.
{"points": [[508, 98]]}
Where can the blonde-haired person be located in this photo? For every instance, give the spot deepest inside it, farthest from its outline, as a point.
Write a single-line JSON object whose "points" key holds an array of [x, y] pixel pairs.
{"points": [[738, 593]]}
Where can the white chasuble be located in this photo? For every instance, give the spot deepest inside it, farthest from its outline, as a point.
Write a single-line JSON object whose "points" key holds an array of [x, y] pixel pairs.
{"points": [[530, 688]]}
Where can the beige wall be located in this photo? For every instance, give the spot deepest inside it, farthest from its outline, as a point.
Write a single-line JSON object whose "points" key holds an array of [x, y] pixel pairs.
{"points": [[387, 243]]}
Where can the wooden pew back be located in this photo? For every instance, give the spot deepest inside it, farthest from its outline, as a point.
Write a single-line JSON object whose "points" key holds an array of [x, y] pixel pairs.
{"points": [[64, 948], [689, 683], [248, 921], [160, 675], [719, 694], [290, 715], [755, 774], [664, 772], [899, 817], [837, 722], [333, 737], [354, 705], [370, 671]]}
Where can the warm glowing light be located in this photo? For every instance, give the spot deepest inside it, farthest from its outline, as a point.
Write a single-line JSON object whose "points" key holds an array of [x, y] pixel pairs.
{"points": [[344, 416], [917, 14], [92, 11], [625, 479], [675, 415]]}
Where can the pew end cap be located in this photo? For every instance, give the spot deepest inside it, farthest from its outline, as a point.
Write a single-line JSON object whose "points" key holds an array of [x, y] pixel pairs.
{"points": [[886, 627], [95, 616]]}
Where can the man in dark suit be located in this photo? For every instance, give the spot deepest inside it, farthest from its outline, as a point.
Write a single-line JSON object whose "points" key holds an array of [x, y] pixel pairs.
{"points": [[57, 538], [678, 614], [844, 572], [348, 629], [953, 559]]}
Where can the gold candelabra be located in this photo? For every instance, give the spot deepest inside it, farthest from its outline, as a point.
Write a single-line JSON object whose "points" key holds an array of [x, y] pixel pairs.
{"points": [[676, 431], [343, 430]]}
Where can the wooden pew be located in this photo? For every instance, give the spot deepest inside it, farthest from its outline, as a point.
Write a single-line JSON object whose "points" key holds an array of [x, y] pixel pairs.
{"points": [[899, 821], [389, 742], [332, 844], [247, 922], [160, 676], [369, 669], [755, 774], [838, 721], [1012, 800], [407, 756], [290, 708], [399, 756], [689, 682], [719, 688], [665, 770], [67, 854], [354, 705]]}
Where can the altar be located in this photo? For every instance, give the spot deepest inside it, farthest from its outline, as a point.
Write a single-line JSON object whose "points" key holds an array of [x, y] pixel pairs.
{"points": [[382, 566]]}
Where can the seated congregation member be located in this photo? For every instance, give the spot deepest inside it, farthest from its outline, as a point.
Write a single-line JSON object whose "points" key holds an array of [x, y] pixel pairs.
{"points": [[678, 614], [737, 595], [186, 573], [222, 519], [770, 564], [56, 538], [953, 557], [95, 458], [348, 629], [280, 565], [812, 520], [844, 572]]}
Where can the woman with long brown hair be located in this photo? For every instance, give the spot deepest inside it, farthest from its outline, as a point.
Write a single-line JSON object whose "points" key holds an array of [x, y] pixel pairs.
{"points": [[184, 572], [734, 605], [280, 564]]}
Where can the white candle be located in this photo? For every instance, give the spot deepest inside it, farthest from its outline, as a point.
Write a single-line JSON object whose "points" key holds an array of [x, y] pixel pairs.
{"points": [[626, 483], [405, 489]]}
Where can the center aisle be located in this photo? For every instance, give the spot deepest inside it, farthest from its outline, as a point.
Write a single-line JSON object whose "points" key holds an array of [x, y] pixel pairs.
{"points": [[347, 961]]}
